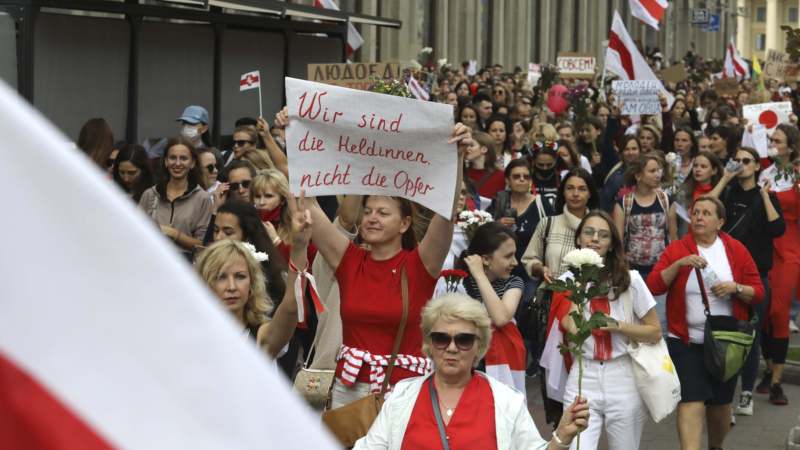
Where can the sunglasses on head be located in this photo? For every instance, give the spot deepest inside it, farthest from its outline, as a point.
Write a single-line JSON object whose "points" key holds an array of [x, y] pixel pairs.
{"points": [[464, 341], [744, 161], [241, 143], [211, 168], [244, 183]]}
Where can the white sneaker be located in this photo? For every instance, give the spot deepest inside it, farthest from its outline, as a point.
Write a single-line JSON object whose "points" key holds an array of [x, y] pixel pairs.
{"points": [[793, 327], [745, 406]]}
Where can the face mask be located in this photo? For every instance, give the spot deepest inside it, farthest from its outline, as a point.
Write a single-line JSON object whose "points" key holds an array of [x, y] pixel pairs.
{"points": [[545, 174], [715, 123], [189, 132]]}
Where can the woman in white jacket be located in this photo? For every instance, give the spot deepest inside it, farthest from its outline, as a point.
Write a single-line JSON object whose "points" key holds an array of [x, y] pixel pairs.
{"points": [[456, 404]]}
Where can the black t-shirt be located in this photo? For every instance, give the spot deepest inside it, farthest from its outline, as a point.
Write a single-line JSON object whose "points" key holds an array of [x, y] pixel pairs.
{"points": [[548, 189], [746, 221]]}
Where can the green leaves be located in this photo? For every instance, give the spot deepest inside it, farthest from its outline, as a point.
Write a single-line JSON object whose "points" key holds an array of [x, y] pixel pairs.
{"points": [[792, 42]]}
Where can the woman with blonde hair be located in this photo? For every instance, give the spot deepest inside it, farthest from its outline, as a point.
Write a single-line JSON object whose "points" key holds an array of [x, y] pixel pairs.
{"points": [[270, 192], [258, 158], [232, 271]]}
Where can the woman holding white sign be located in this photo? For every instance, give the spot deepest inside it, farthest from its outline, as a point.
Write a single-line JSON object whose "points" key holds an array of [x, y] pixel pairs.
{"points": [[371, 282]]}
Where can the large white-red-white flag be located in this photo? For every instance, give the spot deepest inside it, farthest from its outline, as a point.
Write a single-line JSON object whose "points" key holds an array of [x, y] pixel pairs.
{"points": [[624, 60], [735, 66], [108, 339], [649, 11], [354, 39], [250, 80]]}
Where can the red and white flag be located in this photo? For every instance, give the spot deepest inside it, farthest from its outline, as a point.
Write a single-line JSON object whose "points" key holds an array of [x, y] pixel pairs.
{"points": [[735, 66], [250, 80], [416, 89], [624, 60], [649, 11], [122, 346], [354, 39]]}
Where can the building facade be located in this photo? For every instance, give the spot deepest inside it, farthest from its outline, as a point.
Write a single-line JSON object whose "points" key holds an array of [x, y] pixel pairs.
{"points": [[759, 25], [515, 32]]}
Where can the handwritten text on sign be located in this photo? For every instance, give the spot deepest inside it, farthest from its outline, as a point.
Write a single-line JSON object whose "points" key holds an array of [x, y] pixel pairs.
{"points": [[344, 141], [638, 97]]}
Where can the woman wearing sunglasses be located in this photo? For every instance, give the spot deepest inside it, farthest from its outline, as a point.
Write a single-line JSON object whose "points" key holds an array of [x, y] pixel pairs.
{"points": [[207, 157], [490, 260], [754, 218], [477, 411], [607, 367], [179, 203]]}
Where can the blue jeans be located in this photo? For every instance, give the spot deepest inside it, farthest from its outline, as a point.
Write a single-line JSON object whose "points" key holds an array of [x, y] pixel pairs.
{"points": [[750, 370]]}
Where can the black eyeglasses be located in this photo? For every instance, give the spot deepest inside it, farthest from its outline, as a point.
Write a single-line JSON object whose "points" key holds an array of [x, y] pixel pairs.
{"points": [[211, 168], [241, 143], [244, 183], [744, 161], [464, 341]]}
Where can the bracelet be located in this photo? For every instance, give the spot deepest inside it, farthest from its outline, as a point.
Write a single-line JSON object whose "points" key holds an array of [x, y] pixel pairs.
{"points": [[276, 241], [559, 442], [293, 267]]}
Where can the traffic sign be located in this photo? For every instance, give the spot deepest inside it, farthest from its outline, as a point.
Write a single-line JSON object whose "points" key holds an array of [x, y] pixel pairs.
{"points": [[700, 16]]}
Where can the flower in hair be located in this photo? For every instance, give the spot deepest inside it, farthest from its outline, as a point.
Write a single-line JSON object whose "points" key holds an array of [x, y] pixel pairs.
{"points": [[259, 256]]}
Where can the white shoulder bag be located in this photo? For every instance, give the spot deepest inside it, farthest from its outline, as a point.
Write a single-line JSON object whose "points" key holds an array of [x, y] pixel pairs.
{"points": [[656, 379]]}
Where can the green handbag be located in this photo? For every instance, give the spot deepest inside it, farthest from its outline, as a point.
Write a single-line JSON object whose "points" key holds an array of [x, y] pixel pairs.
{"points": [[728, 340]]}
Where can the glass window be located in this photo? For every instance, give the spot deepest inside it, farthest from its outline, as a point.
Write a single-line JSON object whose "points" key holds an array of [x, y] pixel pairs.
{"points": [[761, 41], [761, 14], [8, 50], [792, 15], [81, 71]]}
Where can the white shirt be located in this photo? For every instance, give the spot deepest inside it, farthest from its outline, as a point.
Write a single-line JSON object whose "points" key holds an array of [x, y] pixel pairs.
{"points": [[718, 270], [585, 164], [643, 302]]}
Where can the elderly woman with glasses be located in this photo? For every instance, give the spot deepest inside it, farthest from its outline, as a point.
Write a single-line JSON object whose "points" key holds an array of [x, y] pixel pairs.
{"points": [[458, 404]]}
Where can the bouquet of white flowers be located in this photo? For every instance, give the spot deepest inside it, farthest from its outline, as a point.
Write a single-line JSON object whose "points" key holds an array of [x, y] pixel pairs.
{"points": [[469, 221]]}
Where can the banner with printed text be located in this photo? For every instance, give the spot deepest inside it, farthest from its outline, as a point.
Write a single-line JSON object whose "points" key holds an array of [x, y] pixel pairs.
{"points": [[637, 96], [345, 141]]}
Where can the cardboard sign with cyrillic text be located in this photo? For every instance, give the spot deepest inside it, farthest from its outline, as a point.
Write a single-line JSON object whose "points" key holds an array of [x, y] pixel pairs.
{"points": [[637, 96], [345, 141], [354, 76]]}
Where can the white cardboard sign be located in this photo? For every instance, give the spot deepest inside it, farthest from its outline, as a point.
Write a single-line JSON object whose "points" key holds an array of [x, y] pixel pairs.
{"points": [[346, 141], [768, 114], [637, 96]]}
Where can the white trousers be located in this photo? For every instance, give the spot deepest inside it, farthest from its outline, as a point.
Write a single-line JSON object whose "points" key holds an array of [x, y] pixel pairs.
{"points": [[614, 403], [343, 395]]}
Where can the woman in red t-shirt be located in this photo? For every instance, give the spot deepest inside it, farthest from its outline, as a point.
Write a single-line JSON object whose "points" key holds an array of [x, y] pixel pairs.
{"points": [[481, 158], [370, 286]]}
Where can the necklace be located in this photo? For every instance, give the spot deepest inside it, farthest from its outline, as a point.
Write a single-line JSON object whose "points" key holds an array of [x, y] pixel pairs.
{"points": [[447, 410]]}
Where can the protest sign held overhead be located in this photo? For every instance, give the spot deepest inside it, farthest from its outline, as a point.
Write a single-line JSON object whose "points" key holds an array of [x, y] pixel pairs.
{"points": [[344, 141], [576, 65], [353, 76], [768, 114], [637, 97]]}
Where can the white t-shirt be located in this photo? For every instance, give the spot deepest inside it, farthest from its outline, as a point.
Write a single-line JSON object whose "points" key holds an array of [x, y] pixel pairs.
{"points": [[643, 302], [585, 164], [718, 270]]}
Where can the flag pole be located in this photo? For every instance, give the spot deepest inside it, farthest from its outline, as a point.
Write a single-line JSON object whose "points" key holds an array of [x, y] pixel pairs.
{"points": [[603, 77], [260, 112]]}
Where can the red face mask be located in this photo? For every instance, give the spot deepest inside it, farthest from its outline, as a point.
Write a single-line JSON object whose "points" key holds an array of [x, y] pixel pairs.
{"points": [[271, 215]]}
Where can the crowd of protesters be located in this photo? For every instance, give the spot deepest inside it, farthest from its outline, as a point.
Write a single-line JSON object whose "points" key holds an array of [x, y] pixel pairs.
{"points": [[656, 196]]}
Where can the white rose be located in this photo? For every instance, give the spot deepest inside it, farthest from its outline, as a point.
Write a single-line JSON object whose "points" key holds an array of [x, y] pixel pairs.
{"points": [[671, 157], [579, 257], [772, 152], [258, 256]]}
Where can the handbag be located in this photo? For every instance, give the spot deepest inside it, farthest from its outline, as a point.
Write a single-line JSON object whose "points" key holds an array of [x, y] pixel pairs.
{"points": [[728, 340], [352, 421], [314, 385], [653, 371]]}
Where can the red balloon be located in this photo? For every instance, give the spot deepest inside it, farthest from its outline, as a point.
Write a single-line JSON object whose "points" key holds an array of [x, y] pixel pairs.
{"points": [[768, 118], [557, 99]]}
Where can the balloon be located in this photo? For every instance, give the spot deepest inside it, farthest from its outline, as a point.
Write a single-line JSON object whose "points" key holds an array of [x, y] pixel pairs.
{"points": [[557, 99]]}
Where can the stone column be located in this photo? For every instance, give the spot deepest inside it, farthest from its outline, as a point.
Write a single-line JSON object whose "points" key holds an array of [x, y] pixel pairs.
{"points": [[743, 37], [773, 26]]}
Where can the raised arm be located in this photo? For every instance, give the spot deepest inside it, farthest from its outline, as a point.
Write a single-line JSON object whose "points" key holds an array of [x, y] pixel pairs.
{"points": [[280, 330], [277, 155], [349, 208], [436, 243]]}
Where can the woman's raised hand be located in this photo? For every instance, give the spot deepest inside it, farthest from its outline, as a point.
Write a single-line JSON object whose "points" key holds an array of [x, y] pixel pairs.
{"points": [[300, 219], [463, 136], [474, 264], [282, 118]]}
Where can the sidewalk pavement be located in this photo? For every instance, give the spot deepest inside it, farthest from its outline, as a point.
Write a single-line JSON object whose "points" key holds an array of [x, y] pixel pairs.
{"points": [[767, 429]]}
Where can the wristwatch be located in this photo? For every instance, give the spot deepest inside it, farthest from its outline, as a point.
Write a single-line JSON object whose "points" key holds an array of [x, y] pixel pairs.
{"points": [[739, 288]]}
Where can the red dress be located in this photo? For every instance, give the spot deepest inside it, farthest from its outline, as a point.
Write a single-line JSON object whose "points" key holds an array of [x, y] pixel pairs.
{"points": [[471, 427], [784, 278], [371, 308]]}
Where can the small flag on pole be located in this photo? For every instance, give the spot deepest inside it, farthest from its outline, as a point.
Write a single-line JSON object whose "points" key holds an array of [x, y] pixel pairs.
{"points": [[250, 80], [416, 89]]}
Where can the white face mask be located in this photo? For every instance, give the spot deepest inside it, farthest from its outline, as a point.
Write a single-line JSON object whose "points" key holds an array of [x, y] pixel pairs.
{"points": [[189, 132]]}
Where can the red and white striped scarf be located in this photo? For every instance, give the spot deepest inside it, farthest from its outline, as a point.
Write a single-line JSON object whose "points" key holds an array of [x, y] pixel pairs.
{"points": [[354, 359]]}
